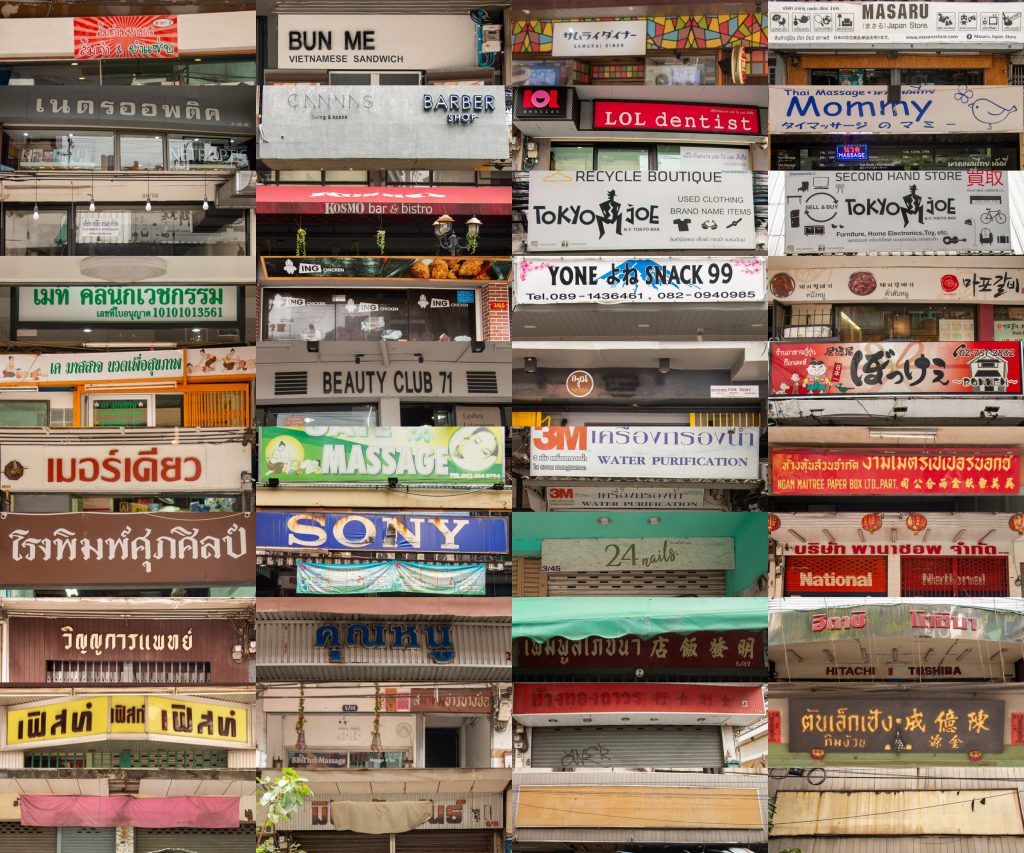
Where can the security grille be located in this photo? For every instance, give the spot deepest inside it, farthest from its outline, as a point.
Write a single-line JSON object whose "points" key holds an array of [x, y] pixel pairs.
{"points": [[649, 583], [200, 840], [90, 839], [127, 672]]}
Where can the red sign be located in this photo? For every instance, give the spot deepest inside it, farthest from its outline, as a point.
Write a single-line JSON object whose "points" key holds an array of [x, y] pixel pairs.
{"points": [[903, 367], [383, 201], [836, 575], [700, 650], [899, 471], [499, 306], [549, 102], [595, 697], [954, 576], [126, 37], [1017, 729], [775, 727], [443, 700], [674, 117]]}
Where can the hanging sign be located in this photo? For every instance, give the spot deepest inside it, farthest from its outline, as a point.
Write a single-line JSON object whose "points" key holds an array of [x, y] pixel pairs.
{"points": [[126, 37], [375, 454], [613, 496], [677, 117], [546, 103], [875, 211], [902, 367], [599, 38], [623, 281], [392, 576], [896, 471], [127, 303], [618, 555], [626, 209]]}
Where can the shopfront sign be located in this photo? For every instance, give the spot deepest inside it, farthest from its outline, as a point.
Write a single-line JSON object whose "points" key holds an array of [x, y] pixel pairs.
{"points": [[879, 211], [446, 700], [382, 201], [601, 698], [81, 548], [662, 453], [609, 281], [948, 575], [711, 553], [369, 531], [74, 368], [126, 37], [391, 576], [853, 25], [905, 724], [1009, 330], [120, 717], [896, 367], [677, 117], [894, 619], [919, 109], [318, 759], [546, 102], [437, 640], [447, 811], [699, 650], [452, 455], [127, 303], [344, 381], [385, 269], [378, 42], [859, 576], [623, 209], [896, 471], [599, 38], [611, 496]]}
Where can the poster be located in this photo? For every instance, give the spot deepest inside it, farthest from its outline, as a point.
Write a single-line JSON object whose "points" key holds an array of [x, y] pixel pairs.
{"points": [[917, 211], [608, 281], [624, 209], [126, 37], [126, 303], [895, 367], [392, 576], [452, 455]]}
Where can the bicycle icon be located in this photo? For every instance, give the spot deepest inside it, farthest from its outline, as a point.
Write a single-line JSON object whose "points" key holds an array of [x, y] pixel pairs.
{"points": [[996, 216]]}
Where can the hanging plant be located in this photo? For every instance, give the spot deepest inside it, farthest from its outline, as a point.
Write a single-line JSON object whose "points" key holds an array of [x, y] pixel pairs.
{"points": [[472, 241], [375, 744], [300, 720], [300, 243], [382, 236]]}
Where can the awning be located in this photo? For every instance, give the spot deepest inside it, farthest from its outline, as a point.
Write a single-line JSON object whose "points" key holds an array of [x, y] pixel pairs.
{"points": [[146, 812], [385, 201], [380, 818], [540, 619]]}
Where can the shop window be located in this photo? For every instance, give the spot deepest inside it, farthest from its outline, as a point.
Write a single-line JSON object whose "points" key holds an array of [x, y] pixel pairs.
{"points": [[556, 73], [24, 234], [699, 70], [120, 412], [393, 759], [941, 76], [702, 156], [163, 503], [336, 416], [347, 176], [852, 76], [164, 230], [862, 323], [182, 71], [209, 152], [425, 414], [757, 63], [622, 158], [570, 158], [441, 747], [24, 413], [61, 149], [141, 152], [1008, 322], [169, 410]]}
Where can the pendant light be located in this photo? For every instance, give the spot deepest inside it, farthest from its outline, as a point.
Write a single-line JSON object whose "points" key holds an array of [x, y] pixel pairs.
{"points": [[92, 192], [35, 207], [149, 201]]}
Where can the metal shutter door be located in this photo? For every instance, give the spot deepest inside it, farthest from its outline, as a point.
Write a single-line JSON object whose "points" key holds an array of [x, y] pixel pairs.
{"points": [[527, 579], [15, 838], [341, 842], [199, 840], [87, 840], [649, 583], [627, 746], [445, 841], [968, 576]]}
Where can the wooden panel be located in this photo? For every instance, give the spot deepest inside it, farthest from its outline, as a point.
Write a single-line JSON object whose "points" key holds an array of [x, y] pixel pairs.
{"points": [[527, 578], [638, 806]]}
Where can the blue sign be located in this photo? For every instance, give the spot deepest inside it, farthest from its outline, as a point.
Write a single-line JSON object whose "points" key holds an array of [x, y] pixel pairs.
{"points": [[851, 153], [367, 531]]}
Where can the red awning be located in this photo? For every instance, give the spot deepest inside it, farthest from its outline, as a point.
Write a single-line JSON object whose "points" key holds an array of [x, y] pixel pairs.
{"points": [[144, 812], [385, 201]]}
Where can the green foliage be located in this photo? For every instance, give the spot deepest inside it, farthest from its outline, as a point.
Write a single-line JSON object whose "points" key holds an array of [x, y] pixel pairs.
{"points": [[300, 243], [281, 798]]}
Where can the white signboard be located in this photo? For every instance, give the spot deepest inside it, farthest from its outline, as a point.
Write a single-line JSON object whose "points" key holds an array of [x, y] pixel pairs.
{"points": [[618, 555], [654, 452], [920, 109], [614, 496], [363, 42], [706, 157], [918, 24], [599, 38], [657, 210], [917, 211], [735, 392], [630, 280], [104, 226], [170, 303]]}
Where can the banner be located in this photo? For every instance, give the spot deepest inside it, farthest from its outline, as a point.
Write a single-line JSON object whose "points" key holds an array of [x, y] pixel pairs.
{"points": [[623, 209], [896, 471], [624, 281], [369, 531], [596, 698], [895, 367], [127, 303], [374, 454], [203, 812], [711, 553], [661, 453], [126, 37], [874, 212], [851, 25], [920, 109], [612, 496], [392, 576]]}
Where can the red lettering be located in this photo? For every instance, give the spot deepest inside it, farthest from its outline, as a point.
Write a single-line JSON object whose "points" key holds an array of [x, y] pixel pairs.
{"points": [[560, 438]]}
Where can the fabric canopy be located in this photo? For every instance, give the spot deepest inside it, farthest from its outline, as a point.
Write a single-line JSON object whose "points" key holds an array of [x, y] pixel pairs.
{"points": [[380, 818], [540, 619], [386, 201], [395, 576], [143, 812]]}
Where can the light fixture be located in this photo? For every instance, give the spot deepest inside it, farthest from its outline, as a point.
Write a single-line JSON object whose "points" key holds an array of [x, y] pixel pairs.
{"points": [[530, 364], [312, 346], [92, 192], [87, 330], [604, 520], [149, 201], [35, 208], [477, 346], [473, 226], [664, 365], [206, 201], [654, 519], [236, 653]]}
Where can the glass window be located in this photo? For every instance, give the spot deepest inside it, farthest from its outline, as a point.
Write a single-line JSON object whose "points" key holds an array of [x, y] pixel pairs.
{"points": [[24, 413], [182, 71], [120, 411], [61, 149], [1009, 322], [25, 235], [702, 156], [852, 76], [569, 158], [206, 152], [558, 73], [941, 76], [164, 230], [170, 410], [141, 152], [341, 416], [622, 158], [858, 323], [700, 70]]}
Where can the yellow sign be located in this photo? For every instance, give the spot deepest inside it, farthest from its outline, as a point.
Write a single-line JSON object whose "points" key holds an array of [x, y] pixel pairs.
{"points": [[42, 722], [181, 718]]}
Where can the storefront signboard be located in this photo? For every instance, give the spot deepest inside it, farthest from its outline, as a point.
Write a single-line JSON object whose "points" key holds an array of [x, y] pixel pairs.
{"points": [[877, 211], [383, 201], [662, 453], [920, 109], [841, 575], [344, 381], [896, 471], [451, 455], [391, 576], [1009, 330], [612, 496], [601, 697], [677, 117], [436, 639], [449, 811], [599, 38], [126, 37], [609, 281], [545, 103], [625, 209], [895, 367], [368, 531], [711, 553], [902, 549], [318, 759], [904, 724], [379, 42], [127, 304], [382, 270], [446, 700]]}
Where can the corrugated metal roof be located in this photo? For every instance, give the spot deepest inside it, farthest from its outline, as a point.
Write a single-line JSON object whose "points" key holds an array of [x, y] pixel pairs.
{"points": [[920, 844], [331, 672]]}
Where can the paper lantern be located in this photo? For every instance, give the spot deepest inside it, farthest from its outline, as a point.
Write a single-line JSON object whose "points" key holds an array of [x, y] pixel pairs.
{"points": [[916, 522], [1016, 522], [872, 522], [774, 522]]}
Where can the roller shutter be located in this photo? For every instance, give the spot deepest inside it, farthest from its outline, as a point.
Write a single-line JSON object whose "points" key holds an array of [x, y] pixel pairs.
{"points": [[627, 746], [442, 841], [528, 580], [199, 840], [341, 842], [87, 839], [931, 577], [15, 838], [647, 583]]}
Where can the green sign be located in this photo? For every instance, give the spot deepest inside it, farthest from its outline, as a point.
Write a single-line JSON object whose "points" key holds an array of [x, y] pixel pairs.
{"points": [[471, 455]]}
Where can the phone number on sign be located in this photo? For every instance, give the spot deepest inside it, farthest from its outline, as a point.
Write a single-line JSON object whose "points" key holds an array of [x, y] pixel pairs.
{"points": [[691, 295]]}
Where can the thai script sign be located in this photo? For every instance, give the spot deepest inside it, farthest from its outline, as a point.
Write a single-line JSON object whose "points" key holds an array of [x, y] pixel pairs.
{"points": [[895, 367], [612, 496], [445, 700], [623, 209], [126, 37], [907, 724], [201, 302], [836, 575], [662, 453], [904, 549], [368, 531], [712, 553], [676, 117], [875, 211], [920, 109], [600, 697], [437, 640], [392, 576], [448, 811], [374, 454], [599, 38], [902, 471], [145, 717], [624, 281]]}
